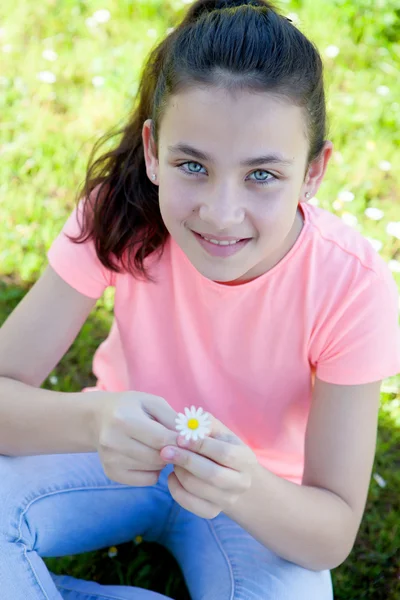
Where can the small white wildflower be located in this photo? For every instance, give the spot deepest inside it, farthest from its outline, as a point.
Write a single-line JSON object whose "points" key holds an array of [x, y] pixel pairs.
{"points": [[102, 16], [53, 379], [331, 51], [50, 55], [7, 48], [46, 77], [379, 480], [112, 552], [338, 157], [376, 244], [98, 81], [393, 228], [375, 214], [314, 201], [194, 424], [138, 540], [336, 205], [383, 90], [385, 165], [348, 100], [91, 23], [390, 388], [394, 265], [349, 219], [346, 196], [152, 33], [31, 162]]}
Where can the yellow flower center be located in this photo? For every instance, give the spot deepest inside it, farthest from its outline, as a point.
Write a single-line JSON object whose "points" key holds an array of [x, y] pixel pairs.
{"points": [[193, 423]]}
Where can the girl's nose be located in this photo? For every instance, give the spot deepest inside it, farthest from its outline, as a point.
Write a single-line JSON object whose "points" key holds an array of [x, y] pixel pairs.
{"points": [[221, 213]]}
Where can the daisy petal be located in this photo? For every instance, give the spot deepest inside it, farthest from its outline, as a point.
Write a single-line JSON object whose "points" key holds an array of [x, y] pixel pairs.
{"points": [[188, 435], [188, 413]]}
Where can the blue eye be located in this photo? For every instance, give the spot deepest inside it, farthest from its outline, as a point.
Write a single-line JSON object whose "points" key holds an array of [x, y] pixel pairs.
{"points": [[264, 181], [258, 181]]}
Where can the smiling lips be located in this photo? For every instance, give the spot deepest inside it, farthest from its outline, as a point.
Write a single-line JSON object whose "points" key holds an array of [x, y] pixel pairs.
{"points": [[221, 245]]}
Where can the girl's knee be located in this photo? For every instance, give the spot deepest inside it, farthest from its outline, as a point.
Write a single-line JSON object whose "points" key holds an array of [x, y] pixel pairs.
{"points": [[13, 494], [286, 582], [21, 484]]}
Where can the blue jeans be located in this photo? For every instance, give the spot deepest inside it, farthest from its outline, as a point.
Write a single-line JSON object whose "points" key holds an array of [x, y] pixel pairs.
{"points": [[58, 505]]}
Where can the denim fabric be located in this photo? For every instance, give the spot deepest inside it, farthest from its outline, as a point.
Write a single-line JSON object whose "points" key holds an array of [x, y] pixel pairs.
{"points": [[58, 505]]}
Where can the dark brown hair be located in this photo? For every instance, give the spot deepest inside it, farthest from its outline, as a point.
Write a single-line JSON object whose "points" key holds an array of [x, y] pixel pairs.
{"points": [[237, 45]]}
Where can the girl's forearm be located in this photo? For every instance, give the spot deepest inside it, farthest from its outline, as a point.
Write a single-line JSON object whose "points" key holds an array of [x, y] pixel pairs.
{"points": [[38, 421], [309, 526]]}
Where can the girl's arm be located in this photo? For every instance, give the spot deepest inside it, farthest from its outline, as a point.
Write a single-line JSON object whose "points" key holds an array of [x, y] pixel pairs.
{"points": [[33, 340], [315, 525]]}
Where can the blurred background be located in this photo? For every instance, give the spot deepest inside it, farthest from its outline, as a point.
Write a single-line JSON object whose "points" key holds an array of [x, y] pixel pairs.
{"points": [[68, 73]]}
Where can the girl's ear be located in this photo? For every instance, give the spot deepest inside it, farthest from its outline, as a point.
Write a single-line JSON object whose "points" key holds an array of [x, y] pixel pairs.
{"points": [[150, 155], [316, 170]]}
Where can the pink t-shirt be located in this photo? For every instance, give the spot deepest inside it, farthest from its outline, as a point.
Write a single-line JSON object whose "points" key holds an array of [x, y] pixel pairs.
{"points": [[248, 353]]}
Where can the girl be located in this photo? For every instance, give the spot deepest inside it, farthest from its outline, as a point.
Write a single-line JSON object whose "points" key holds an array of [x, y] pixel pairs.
{"points": [[231, 293]]}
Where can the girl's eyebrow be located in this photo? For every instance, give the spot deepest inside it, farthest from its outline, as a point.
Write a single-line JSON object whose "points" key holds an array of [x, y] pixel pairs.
{"points": [[250, 162]]}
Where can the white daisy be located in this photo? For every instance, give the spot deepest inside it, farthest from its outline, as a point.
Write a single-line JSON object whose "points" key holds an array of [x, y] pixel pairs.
{"points": [[194, 424]]}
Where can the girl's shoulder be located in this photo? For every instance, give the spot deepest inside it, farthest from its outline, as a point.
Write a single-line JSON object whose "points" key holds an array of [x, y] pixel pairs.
{"points": [[342, 244]]}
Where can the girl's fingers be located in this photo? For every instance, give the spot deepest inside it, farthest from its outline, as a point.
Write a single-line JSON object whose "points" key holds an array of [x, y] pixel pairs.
{"points": [[150, 433], [204, 490], [131, 452], [198, 506], [203, 468], [134, 478]]}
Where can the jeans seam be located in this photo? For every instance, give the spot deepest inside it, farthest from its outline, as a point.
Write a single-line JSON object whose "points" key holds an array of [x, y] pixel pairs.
{"points": [[35, 574], [75, 489], [47, 494], [230, 566], [90, 595]]}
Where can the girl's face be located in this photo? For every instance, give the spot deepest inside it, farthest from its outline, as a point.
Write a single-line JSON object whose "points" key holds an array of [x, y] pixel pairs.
{"points": [[228, 169]]}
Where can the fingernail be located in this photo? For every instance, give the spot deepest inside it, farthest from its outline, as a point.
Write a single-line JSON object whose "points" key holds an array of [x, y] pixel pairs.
{"points": [[169, 453]]}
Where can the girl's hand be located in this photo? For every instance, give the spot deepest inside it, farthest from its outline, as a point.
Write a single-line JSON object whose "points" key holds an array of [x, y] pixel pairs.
{"points": [[211, 474], [130, 430]]}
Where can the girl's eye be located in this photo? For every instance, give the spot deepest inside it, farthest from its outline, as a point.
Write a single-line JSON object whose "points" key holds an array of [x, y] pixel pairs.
{"points": [[263, 181]]}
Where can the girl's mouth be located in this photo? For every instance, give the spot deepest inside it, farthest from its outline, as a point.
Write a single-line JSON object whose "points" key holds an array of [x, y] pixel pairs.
{"points": [[221, 248]]}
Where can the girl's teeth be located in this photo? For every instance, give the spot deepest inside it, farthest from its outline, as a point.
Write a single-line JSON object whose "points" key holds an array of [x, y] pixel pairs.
{"points": [[219, 243]]}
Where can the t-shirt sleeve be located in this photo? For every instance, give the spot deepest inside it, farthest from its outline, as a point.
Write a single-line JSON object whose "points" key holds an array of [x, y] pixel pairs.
{"points": [[362, 343], [78, 264]]}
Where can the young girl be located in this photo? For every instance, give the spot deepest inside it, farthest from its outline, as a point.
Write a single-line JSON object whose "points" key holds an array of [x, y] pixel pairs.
{"points": [[233, 294]]}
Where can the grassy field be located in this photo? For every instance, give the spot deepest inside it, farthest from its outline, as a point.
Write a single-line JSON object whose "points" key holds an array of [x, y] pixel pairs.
{"points": [[69, 72]]}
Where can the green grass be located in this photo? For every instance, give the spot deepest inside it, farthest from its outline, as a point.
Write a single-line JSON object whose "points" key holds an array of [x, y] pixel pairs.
{"points": [[47, 131]]}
